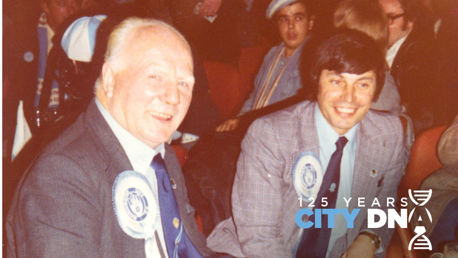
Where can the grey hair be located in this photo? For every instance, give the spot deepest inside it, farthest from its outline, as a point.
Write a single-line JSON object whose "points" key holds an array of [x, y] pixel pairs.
{"points": [[123, 32]]}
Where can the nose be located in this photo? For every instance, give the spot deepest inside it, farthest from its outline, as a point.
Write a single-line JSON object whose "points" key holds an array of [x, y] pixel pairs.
{"points": [[171, 93], [291, 23], [348, 93]]}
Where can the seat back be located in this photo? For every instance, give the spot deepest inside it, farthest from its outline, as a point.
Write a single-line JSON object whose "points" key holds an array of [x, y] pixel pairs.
{"points": [[223, 82], [423, 160]]}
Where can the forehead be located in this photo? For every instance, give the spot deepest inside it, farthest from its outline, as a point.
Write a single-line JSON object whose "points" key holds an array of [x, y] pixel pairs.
{"points": [[158, 41], [61, 2], [291, 9], [391, 6]]}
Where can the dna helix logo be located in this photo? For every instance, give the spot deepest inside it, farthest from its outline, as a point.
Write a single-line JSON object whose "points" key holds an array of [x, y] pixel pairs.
{"points": [[420, 241]]}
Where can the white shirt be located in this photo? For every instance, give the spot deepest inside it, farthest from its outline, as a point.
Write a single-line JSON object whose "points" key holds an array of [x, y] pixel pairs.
{"points": [[393, 50], [140, 156], [327, 138]]}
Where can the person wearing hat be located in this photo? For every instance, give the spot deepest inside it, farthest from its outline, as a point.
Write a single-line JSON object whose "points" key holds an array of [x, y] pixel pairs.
{"points": [[320, 154], [278, 78]]}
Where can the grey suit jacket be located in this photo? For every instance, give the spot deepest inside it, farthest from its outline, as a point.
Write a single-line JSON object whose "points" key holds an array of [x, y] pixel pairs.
{"points": [[63, 205], [264, 201]]}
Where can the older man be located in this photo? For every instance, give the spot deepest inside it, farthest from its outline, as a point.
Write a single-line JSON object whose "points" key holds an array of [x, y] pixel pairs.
{"points": [[412, 58], [109, 186], [328, 150]]}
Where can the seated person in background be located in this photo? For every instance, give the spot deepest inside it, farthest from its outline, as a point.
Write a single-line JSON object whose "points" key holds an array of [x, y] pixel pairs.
{"points": [[443, 204], [210, 169], [336, 139], [413, 60], [369, 18], [278, 77], [109, 186], [27, 43]]}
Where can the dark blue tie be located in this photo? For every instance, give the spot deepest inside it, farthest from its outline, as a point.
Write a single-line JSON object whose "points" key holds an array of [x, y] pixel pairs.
{"points": [[177, 242], [314, 241]]}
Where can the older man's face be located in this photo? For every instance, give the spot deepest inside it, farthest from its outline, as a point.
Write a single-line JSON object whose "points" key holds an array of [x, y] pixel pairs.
{"points": [[151, 92], [398, 26], [293, 25], [345, 98]]}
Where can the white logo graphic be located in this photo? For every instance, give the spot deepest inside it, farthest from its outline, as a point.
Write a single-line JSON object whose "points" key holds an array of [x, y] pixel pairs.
{"points": [[420, 198]]}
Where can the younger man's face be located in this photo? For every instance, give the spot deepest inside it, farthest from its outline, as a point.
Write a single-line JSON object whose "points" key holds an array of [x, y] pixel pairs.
{"points": [[293, 25], [345, 98]]}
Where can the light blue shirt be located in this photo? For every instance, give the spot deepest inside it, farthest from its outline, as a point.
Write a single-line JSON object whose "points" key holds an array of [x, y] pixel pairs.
{"points": [[140, 156], [327, 138]]}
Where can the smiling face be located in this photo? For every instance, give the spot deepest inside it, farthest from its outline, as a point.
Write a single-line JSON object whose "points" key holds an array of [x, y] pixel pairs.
{"points": [[293, 25], [148, 90], [345, 98]]}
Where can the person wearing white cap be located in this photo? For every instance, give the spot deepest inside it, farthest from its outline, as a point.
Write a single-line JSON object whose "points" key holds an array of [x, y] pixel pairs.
{"points": [[278, 77]]}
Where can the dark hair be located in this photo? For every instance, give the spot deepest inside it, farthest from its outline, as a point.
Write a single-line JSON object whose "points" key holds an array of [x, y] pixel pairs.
{"points": [[345, 51]]}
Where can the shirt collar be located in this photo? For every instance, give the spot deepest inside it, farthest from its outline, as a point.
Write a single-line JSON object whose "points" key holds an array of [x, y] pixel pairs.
{"points": [[327, 135], [393, 50], [140, 155]]}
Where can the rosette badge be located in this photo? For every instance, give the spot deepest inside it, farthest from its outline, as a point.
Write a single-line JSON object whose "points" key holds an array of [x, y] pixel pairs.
{"points": [[307, 175], [134, 204]]}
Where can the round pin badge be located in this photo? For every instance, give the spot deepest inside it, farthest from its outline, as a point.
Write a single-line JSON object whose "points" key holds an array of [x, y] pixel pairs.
{"points": [[28, 56], [307, 175], [134, 204]]}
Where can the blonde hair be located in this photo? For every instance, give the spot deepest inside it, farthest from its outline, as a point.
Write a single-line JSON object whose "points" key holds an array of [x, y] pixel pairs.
{"points": [[366, 16]]}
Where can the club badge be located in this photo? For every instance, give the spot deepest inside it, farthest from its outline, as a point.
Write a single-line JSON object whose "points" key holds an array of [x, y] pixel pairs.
{"points": [[134, 204], [307, 175]]}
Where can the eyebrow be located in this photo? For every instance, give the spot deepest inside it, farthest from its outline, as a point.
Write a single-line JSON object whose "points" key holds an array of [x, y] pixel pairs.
{"points": [[366, 78]]}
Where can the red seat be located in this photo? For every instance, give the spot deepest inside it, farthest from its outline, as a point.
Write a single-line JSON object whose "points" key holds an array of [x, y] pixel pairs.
{"points": [[223, 82], [423, 162], [181, 153]]}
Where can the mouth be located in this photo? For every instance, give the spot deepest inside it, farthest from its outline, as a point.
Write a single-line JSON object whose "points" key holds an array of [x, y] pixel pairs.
{"points": [[345, 111], [161, 116], [292, 36]]}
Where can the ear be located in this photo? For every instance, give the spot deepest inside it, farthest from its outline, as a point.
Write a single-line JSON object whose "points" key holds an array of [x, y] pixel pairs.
{"points": [[107, 80], [311, 22]]}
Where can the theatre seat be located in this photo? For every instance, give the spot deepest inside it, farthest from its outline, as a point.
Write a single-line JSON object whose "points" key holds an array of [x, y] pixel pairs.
{"points": [[423, 162], [223, 82]]}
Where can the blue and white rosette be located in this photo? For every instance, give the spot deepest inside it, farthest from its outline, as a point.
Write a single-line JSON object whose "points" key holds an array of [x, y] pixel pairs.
{"points": [[135, 206], [307, 175]]}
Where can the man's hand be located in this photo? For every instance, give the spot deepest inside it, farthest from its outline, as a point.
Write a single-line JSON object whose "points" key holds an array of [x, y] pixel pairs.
{"points": [[362, 247], [228, 125], [210, 7]]}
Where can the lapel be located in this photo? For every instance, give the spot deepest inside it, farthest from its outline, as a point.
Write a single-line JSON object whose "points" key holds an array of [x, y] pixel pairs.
{"points": [[368, 169], [309, 134], [107, 144]]}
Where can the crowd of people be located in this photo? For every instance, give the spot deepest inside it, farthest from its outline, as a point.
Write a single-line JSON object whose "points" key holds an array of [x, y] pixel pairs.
{"points": [[95, 92]]}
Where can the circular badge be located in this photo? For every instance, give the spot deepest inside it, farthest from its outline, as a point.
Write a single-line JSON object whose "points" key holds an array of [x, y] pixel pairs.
{"points": [[307, 175], [134, 204], [28, 56]]}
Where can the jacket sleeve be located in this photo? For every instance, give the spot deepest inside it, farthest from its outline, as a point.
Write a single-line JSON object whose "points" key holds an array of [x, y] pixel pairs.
{"points": [[56, 213], [257, 193]]}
